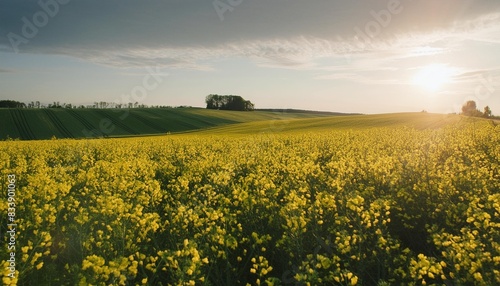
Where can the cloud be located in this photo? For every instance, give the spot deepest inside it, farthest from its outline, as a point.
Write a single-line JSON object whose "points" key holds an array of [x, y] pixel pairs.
{"points": [[2, 70], [478, 75], [290, 34], [144, 57], [360, 79]]}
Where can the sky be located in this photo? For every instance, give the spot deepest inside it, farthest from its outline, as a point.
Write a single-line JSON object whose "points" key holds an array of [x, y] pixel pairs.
{"points": [[377, 56]]}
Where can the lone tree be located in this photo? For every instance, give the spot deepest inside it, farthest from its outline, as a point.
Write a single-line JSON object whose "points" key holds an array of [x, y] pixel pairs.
{"points": [[487, 111], [228, 102]]}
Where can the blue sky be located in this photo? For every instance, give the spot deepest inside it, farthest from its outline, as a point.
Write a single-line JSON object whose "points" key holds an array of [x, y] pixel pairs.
{"points": [[350, 56]]}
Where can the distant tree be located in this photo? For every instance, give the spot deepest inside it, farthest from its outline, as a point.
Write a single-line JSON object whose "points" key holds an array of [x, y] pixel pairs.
{"points": [[470, 109], [12, 104], [249, 105], [487, 111], [55, 104], [213, 101], [228, 102]]}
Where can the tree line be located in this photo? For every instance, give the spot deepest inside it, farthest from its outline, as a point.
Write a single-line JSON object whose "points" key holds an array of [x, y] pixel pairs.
{"points": [[228, 102], [99, 105], [213, 101]]}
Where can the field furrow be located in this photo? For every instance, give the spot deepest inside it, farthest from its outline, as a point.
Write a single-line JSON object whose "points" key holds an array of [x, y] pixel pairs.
{"points": [[117, 122], [58, 123], [149, 123], [83, 120], [22, 123]]}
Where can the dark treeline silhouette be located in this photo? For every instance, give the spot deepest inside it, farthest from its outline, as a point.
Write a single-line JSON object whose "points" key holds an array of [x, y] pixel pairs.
{"points": [[99, 105], [12, 104], [228, 102]]}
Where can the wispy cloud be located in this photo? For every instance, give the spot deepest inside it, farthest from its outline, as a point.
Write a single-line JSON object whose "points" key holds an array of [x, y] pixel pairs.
{"points": [[360, 79], [475, 75], [138, 58]]}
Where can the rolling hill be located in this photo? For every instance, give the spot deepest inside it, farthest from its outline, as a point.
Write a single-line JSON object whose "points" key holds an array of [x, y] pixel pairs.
{"points": [[30, 124], [393, 120]]}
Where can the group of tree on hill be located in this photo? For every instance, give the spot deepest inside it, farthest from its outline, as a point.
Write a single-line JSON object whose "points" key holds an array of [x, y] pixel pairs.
{"points": [[228, 102], [470, 109], [12, 104]]}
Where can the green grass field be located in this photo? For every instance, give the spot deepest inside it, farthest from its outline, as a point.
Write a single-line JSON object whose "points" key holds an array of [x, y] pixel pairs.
{"points": [[32, 124], [29, 124]]}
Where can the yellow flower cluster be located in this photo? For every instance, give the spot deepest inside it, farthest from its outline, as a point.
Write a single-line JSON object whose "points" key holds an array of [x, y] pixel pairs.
{"points": [[362, 207]]}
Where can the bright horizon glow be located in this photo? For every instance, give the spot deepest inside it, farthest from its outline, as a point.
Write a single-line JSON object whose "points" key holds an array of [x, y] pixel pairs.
{"points": [[433, 77]]}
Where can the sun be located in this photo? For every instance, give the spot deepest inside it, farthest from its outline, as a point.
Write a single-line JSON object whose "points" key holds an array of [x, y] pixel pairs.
{"points": [[433, 77]]}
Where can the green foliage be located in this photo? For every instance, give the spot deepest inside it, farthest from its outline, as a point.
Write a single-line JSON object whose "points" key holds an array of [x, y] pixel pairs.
{"points": [[228, 102], [29, 124], [11, 104]]}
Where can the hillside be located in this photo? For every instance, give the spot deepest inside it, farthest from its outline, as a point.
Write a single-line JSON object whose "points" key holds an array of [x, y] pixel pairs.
{"points": [[29, 124], [412, 120]]}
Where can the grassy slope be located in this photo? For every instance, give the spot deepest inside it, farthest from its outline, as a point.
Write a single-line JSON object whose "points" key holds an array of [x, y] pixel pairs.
{"points": [[413, 120], [62, 123], [29, 124]]}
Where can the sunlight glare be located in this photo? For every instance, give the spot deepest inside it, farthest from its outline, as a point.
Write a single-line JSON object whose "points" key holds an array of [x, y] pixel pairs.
{"points": [[433, 77]]}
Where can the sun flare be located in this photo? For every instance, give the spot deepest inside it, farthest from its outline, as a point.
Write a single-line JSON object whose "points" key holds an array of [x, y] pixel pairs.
{"points": [[433, 77]]}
